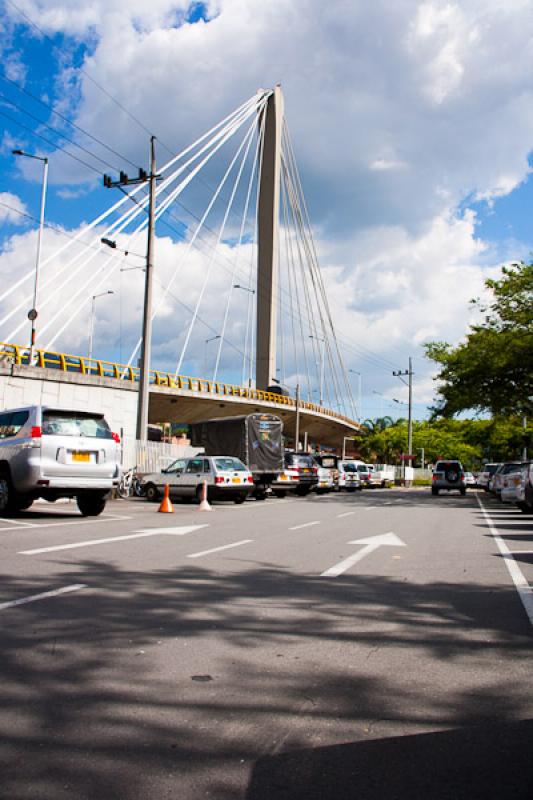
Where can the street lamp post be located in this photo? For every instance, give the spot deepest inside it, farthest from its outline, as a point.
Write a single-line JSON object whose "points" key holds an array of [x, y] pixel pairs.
{"points": [[91, 319], [321, 392], [32, 314], [359, 394], [211, 339]]}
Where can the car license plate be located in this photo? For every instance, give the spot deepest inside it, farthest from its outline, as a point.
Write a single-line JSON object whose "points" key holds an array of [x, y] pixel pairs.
{"points": [[235, 480], [81, 456], [283, 477], [305, 469]]}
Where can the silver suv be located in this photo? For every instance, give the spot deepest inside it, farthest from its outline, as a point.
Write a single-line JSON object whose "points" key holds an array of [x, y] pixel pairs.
{"points": [[448, 475], [51, 453]]}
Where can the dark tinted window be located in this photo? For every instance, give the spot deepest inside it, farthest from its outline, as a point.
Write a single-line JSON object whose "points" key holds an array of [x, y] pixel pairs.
{"points": [[12, 422], [442, 466], [348, 467], [67, 423], [195, 465], [490, 468]]}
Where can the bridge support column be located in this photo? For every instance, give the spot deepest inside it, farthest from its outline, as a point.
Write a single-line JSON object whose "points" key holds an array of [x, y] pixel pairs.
{"points": [[268, 242]]}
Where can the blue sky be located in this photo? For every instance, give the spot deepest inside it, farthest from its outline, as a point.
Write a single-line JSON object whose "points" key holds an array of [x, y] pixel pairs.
{"points": [[392, 169]]}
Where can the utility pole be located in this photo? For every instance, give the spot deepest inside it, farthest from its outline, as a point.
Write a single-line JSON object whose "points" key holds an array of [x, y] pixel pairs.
{"points": [[146, 344], [409, 373], [297, 432]]}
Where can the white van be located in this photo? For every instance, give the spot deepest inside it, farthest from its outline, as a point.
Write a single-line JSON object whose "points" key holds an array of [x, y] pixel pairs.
{"points": [[55, 452]]}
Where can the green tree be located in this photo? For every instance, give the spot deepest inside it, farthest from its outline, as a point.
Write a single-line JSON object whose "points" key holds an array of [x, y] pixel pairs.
{"points": [[492, 370]]}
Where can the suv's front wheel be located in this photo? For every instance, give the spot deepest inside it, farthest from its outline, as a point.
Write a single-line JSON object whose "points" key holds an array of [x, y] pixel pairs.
{"points": [[91, 505]]}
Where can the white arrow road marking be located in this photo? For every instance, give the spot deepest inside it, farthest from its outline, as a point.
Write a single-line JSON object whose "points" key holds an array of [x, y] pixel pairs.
{"points": [[218, 549], [32, 598], [372, 543], [181, 531]]}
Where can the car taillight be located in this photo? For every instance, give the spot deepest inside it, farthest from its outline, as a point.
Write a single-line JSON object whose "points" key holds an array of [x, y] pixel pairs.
{"points": [[250, 479], [315, 470], [219, 479], [116, 437], [36, 432], [434, 477]]}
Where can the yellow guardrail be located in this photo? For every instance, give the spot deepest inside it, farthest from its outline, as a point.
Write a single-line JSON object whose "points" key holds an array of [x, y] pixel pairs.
{"points": [[110, 369]]}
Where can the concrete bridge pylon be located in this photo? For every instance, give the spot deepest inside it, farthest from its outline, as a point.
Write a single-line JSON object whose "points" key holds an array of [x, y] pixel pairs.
{"points": [[268, 240]]}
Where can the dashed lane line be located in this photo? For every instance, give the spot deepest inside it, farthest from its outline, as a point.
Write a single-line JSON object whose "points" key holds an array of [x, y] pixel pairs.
{"points": [[525, 591], [75, 587], [346, 514], [218, 549], [304, 525]]}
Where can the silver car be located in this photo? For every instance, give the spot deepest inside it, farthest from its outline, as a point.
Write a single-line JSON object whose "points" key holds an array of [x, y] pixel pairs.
{"points": [[225, 476], [51, 453], [448, 476]]}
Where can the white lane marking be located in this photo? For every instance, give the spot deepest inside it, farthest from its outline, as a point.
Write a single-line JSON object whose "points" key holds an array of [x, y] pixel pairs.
{"points": [[525, 592], [372, 543], [33, 597], [218, 549], [17, 522], [77, 521], [304, 525], [369, 508], [346, 514], [138, 535]]}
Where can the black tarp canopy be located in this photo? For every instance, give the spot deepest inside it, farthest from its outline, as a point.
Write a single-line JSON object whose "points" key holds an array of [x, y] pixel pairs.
{"points": [[254, 438]]}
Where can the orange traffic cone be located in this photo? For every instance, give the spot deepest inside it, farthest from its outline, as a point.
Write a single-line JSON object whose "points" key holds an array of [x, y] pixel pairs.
{"points": [[166, 506], [204, 505]]}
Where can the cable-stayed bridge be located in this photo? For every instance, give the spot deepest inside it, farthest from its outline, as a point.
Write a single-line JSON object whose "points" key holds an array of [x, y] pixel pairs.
{"points": [[234, 295]]}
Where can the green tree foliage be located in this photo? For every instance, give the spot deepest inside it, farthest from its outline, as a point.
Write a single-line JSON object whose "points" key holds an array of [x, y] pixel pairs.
{"points": [[492, 370], [471, 441]]}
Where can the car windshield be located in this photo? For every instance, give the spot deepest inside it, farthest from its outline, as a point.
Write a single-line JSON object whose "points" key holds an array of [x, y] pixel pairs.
{"points": [[490, 468], [510, 468], [348, 467], [300, 461], [58, 423], [231, 464]]}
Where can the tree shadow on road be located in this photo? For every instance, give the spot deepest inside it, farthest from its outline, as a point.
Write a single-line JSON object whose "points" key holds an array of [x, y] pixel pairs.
{"points": [[175, 682]]}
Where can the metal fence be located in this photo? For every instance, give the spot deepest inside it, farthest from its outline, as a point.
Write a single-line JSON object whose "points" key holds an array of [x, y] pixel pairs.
{"points": [[153, 456]]}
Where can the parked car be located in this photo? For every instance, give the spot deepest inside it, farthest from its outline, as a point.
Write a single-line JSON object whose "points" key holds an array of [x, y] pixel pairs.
{"points": [[524, 494], [349, 477], [448, 476], [486, 474], [366, 473], [511, 483], [496, 482], [226, 478], [470, 479], [287, 480], [55, 452], [326, 480], [307, 470]]}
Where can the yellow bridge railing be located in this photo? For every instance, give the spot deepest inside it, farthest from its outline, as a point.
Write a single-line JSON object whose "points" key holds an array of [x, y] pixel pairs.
{"points": [[66, 362]]}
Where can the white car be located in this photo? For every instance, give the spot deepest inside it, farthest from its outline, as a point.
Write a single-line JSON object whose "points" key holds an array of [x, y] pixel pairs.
{"points": [[286, 481], [470, 479], [349, 479], [512, 484], [326, 481], [226, 478]]}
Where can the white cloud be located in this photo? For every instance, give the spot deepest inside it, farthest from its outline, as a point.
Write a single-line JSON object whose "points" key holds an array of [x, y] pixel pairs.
{"points": [[11, 209], [398, 112]]}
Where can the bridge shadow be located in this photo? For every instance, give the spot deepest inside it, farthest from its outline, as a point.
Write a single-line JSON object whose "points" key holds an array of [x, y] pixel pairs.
{"points": [[185, 682]]}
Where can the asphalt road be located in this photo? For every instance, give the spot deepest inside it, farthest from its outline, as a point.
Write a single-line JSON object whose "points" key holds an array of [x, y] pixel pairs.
{"points": [[265, 652]]}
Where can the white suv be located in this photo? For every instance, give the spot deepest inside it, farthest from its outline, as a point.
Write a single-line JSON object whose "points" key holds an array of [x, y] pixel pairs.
{"points": [[51, 453]]}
